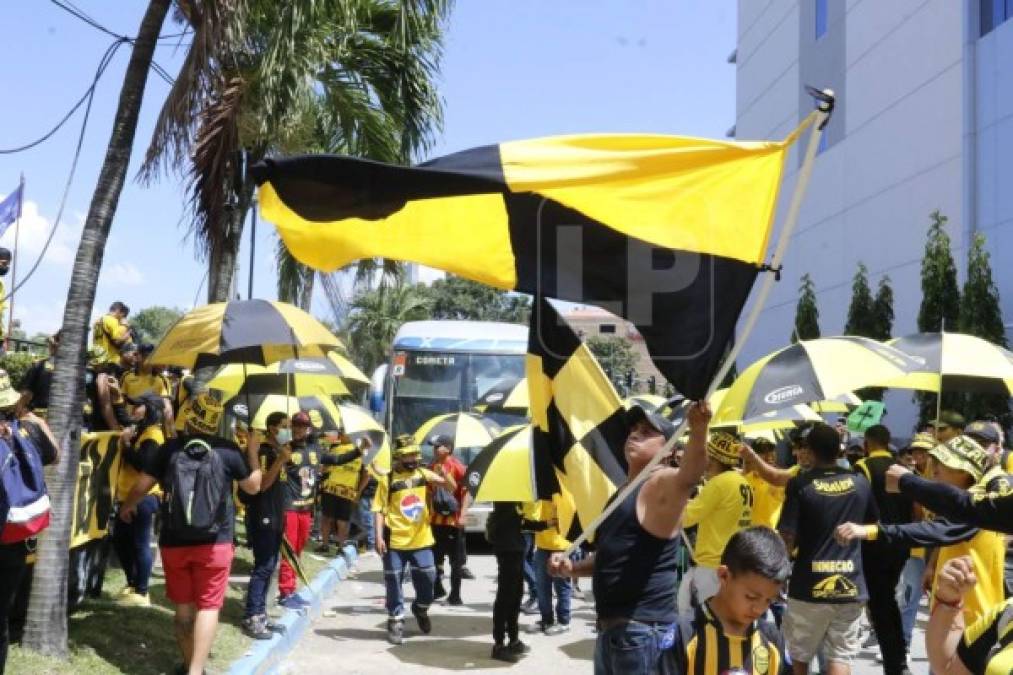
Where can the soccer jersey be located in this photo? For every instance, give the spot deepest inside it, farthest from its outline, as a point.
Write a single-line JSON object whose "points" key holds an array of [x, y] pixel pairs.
{"points": [[723, 507], [987, 644], [130, 461], [707, 650], [987, 550], [108, 331], [343, 480], [817, 502], [300, 476], [767, 500], [135, 385], [401, 498]]}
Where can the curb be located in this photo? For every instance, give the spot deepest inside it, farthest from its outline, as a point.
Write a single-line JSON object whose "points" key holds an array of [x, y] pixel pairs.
{"points": [[265, 655]]}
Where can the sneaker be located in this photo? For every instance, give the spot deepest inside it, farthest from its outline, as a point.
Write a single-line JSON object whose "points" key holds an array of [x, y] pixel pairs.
{"points": [[395, 631], [530, 607], [323, 548], [503, 653], [126, 590], [518, 647], [466, 573], [455, 600], [539, 627], [292, 601], [134, 600], [557, 629], [255, 627], [422, 616]]}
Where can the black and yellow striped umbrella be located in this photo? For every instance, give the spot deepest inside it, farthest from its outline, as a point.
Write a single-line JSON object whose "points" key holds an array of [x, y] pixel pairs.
{"points": [[603, 218], [243, 331], [811, 370], [955, 362], [293, 377], [255, 408], [466, 429], [505, 470], [509, 395]]}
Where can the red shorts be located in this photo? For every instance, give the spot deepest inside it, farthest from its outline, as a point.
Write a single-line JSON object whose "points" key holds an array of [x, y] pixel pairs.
{"points": [[197, 575]]}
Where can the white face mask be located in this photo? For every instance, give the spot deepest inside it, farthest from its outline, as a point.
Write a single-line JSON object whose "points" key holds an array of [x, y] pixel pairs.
{"points": [[284, 436]]}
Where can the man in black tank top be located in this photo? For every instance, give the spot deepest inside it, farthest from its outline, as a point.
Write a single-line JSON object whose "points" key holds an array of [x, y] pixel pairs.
{"points": [[634, 566]]}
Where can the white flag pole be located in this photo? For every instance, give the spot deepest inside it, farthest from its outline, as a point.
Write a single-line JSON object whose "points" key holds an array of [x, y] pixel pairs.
{"points": [[818, 120]]}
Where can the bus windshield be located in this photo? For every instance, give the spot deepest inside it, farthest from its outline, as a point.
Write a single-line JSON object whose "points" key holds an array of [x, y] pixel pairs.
{"points": [[429, 383]]}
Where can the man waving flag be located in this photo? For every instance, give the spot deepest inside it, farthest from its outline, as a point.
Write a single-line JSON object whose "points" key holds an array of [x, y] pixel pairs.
{"points": [[665, 231]]}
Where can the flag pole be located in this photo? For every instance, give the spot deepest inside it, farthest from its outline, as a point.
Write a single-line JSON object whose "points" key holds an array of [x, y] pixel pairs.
{"points": [[817, 120], [14, 264]]}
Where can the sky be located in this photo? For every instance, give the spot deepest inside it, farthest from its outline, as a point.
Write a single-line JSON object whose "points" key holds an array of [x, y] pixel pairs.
{"points": [[511, 69]]}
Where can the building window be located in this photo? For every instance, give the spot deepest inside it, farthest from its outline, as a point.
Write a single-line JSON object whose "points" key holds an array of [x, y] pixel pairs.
{"points": [[606, 328], [824, 142], [821, 18], [993, 13]]}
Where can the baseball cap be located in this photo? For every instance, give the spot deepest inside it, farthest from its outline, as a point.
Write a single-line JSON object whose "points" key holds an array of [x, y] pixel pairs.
{"points": [[950, 418], [723, 447], [442, 440], [403, 451], [402, 440], [301, 419], [205, 413], [923, 441], [962, 454], [657, 422], [983, 432]]}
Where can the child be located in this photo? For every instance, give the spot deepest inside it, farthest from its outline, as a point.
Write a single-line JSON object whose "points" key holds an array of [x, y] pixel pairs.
{"points": [[729, 633]]}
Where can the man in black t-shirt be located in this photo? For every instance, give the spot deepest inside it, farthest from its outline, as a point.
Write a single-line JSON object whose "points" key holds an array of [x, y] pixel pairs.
{"points": [[35, 385], [827, 589], [299, 476], [197, 569]]}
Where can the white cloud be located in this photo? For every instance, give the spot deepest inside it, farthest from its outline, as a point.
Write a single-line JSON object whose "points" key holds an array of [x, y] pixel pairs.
{"points": [[121, 274], [32, 233]]}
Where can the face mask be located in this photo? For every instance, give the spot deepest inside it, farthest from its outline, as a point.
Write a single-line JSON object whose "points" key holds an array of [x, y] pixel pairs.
{"points": [[4, 270], [284, 436], [410, 465]]}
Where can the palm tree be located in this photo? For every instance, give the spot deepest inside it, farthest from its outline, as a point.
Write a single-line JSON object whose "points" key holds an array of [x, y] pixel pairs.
{"points": [[376, 316], [46, 629], [348, 76]]}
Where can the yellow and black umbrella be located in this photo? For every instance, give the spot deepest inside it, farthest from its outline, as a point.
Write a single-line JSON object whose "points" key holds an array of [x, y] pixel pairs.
{"points": [[467, 430], [954, 362], [243, 331], [783, 418], [255, 408], [811, 370], [509, 395], [844, 403], [346, 369], [292, 377], [359, 423], [505, 470]]}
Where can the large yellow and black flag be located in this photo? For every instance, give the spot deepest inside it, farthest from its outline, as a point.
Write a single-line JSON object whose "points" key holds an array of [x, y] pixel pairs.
{"points": [[578, 421], [666, 231]]}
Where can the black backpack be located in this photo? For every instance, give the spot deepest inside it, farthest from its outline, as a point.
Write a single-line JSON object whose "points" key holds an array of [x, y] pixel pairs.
{"points": [[444, 502], [196, 490]]}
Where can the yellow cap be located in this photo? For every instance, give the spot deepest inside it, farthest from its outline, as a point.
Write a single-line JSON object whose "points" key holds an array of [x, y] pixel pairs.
{"points": [[205, 413], [724, 448], [923, 441]]}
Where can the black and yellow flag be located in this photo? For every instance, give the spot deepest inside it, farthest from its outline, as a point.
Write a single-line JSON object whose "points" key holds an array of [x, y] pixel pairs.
{"points": [[578, 421], [668, 232]]}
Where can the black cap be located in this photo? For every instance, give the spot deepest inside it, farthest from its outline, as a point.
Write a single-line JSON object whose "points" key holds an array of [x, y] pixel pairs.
{"points": [[442, 440], [657, 422], [981, 430], [950, 418]]}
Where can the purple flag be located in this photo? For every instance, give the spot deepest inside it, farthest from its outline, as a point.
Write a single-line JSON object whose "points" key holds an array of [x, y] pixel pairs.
{"points": [[10, 209]]}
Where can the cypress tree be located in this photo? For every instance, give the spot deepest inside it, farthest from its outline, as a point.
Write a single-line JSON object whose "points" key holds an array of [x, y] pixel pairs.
{"points": [[882, 311], [807, 314], [981, 315], [861, 320]]}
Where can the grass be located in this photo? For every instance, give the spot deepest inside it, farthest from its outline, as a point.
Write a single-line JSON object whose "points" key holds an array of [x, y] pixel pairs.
{"points": [[107, 638]]}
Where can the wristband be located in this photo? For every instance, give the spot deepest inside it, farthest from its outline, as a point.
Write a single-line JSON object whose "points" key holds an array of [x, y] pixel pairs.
{"points": [[956, 605]]}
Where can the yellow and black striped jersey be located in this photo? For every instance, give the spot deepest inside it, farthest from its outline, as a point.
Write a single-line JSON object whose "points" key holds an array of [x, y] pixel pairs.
{"points": [[987, 644], [706, 649]]}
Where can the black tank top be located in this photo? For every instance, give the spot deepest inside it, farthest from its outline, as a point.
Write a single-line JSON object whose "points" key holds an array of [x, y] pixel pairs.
{"points": [[634, 571]]}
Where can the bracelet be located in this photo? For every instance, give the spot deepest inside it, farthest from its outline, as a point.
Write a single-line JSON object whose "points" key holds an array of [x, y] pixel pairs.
{"points": [[956, 605]]}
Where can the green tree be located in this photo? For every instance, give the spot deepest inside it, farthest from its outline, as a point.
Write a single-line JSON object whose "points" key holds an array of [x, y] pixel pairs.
{"points": [[882, 311], [376, 317], [46, 627], [861, 318], [152, 323], [940, 305], [615, 356], [464, 299], [807, 314], [981, 315]]}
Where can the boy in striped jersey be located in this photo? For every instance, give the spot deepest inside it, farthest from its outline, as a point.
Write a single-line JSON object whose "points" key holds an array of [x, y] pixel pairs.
{"points": [[729, 633]]}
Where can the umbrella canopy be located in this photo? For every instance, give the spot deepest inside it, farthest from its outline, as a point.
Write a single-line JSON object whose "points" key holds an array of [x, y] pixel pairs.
{"points": [[783, 418], [509, 395], [293, 377], [243, 331], [811, 370], [359, 423], [468, 430], [954, 362], [649, 402], [844, 403], [505, 470], [322, 411], [346, 369]]}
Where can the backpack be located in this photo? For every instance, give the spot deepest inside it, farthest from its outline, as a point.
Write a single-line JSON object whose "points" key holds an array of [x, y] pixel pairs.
{"points": [[196, 491], [24, 503], [444, 502]]}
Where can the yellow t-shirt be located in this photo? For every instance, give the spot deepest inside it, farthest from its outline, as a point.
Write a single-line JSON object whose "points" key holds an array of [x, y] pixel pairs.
{"points": [[767, 500], [343, 481], [128, 474], [723, 507], [986, 646], [136, 384], [108, 331], [988, 554], [549, 539], [402, 499]]}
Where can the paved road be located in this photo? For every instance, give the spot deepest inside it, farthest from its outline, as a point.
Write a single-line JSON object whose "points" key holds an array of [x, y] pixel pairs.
{"points": [[350, 638]]}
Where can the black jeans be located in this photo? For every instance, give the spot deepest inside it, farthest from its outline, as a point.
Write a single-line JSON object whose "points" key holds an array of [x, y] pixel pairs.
{"points": [[882, 569], [449, 545], [509, 591], [12, 569]]}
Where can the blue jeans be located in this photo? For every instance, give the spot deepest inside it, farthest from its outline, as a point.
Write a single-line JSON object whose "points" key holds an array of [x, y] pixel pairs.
{"points": [[910, 598], [423, 571], [634, 648], [544, 585], [366, 521], [266, 545], [133, 544], [529, 566]]}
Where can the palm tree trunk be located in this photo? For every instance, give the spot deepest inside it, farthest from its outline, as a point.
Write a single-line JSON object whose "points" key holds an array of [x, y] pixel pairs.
{"points": [[46, 629], [306, 292], [222, 259]]}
